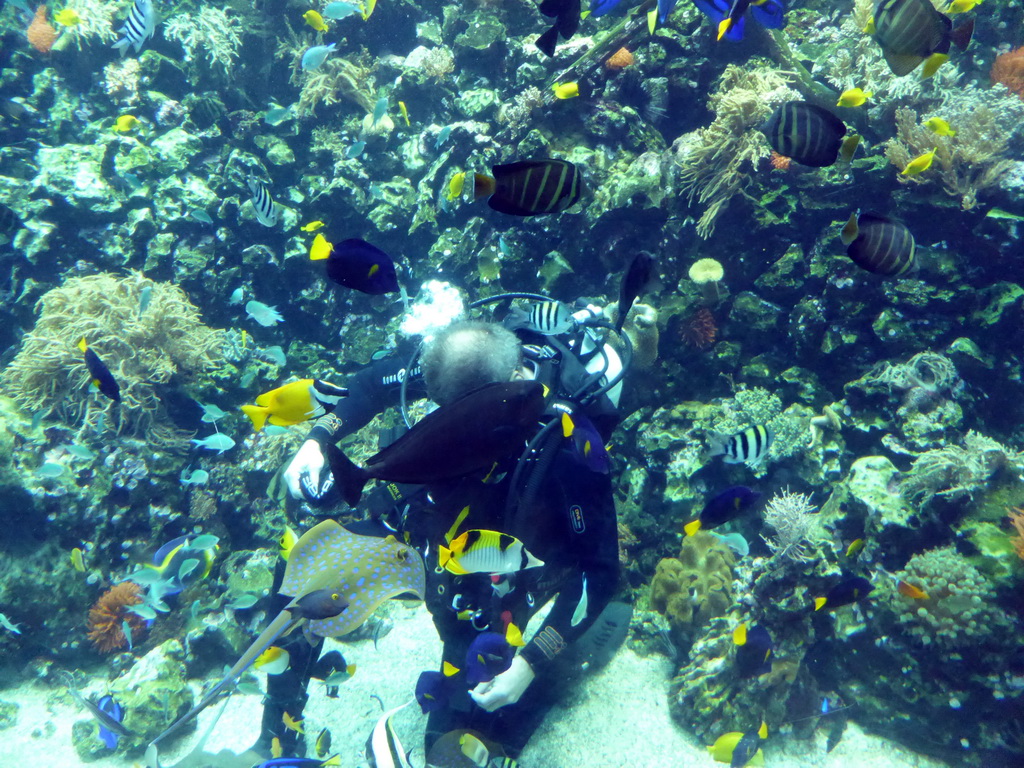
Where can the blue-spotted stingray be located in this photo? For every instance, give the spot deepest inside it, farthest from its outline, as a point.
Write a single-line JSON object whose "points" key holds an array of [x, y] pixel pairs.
{"points": [[336, 579]]}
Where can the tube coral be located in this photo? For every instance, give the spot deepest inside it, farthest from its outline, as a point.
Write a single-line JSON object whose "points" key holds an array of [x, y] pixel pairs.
{"points": [[1008, 70], [108, 616]]}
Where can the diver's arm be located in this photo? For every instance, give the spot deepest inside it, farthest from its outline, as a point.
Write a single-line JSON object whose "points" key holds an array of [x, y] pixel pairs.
{"points": [[596, 551]]}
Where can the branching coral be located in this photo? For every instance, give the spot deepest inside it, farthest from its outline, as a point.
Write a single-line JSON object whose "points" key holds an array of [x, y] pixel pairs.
{"points": [[1016, 516], [518, 112], [711, 163], [144, 350], [954, 471], [335, 81], [96, 21], [210, 31], [438, 63], [797, 529], [965, 164], [109, 615]]}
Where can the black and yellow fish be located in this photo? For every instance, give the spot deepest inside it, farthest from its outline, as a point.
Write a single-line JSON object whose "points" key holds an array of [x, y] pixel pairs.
{"points": [[912, 31], [753, 650], [805, 132], [100, 375], [530, 187], [879, 244], [846, 592]]}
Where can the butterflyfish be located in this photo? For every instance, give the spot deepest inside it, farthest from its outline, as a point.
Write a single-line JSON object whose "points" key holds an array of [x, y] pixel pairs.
{"points": [[481, 551], [273, 661], [566, 90], [294, 403]]}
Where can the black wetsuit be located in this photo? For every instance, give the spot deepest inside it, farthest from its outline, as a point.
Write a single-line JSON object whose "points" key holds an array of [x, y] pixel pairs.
{"points": [[570, 524]]}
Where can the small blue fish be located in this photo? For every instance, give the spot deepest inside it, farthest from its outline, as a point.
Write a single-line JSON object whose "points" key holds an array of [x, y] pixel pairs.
{"points": [[201, 216], [338, 10], [313, 58], [216, 442], [133, 180], [127, 629], [379, 109], [355, 150], [729, 16], [503, 246], [601, 7], [487, 657], [196, 477], [37, 419], [275, 355], [144, 611], [442, 137], [112, 709], [145, 296], [80, 452], [376, 192], [243, 601], [9, 625], [211, 413], [276, 114], [50, 470]]}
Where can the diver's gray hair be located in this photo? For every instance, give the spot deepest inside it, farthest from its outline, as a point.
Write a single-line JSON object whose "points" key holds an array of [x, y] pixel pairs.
{"points": [[466, 355]]}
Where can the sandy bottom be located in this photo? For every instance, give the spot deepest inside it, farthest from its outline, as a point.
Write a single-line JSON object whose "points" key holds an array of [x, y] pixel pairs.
{"points": [[616, 718]]}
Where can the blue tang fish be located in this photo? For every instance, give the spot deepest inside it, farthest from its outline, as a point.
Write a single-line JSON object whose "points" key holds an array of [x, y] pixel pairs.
{"points": [[729, 15], [113, 709], [487, 657]]}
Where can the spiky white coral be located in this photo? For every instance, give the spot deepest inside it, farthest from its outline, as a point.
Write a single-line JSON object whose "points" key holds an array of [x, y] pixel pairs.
{"points": [[211, 31], [797, 528]]}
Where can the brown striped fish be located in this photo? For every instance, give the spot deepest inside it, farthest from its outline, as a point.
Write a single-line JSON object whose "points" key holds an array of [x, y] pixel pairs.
{"points": [[805, 132], [879, 244], [911, 31], [530, 187]]}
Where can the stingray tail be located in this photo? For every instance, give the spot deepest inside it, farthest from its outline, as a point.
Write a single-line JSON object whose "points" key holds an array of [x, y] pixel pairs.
{"points": [[349, 478]]}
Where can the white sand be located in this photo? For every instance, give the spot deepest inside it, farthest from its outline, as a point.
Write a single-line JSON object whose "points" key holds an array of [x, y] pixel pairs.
{"points": [[617, 718]]}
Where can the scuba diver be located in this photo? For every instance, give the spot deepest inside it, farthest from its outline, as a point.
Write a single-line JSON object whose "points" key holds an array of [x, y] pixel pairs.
{"points": [[553, 494]]}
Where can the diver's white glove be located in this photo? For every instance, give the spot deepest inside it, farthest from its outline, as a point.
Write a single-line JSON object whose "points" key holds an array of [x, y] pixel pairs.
{"points": [[506, 688], [308, 461]]}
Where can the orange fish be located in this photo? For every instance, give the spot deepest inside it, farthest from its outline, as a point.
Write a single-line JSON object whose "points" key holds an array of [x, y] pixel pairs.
{"points": [[909, 590]]}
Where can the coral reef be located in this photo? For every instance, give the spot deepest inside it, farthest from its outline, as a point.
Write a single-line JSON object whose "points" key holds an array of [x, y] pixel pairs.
{"points": [[210, 32], [107, 618], [1008, 70], [798, 532], [700, 331], [145, 350], [955, 471]]}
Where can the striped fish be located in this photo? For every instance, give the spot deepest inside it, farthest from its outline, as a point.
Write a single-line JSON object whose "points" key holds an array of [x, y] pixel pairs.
{"points": [[747, 447], [910, 31], [262, 202], [383, 749], [478, 551], [806, 133], [550, 318], [531, 187], [879, 244], [139, 27]]}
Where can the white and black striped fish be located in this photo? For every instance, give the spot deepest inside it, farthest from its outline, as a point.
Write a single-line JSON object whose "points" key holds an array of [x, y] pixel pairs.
{"points": [[550, 318], [139, 27], [262, 202], [747, 447], [383, 749]]}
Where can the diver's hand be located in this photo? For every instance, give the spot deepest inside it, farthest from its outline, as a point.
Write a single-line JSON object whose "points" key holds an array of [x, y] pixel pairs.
{"points": [[308, 461], [506, 688]]}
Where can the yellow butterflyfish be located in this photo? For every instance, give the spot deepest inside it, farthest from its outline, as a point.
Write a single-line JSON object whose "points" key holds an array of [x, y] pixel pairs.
{"points": [[404, 111], [566, 90], [939, 127], [315, 20], [286, 542], [919, 164], [125, 123], [853, 97], [313, 226]]}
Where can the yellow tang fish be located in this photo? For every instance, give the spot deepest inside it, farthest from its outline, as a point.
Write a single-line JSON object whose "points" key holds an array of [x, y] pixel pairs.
{"points": [[855, 547], [652, 20], [869, 28], [455, 186], [67, 18], [368, 7], [932, 64], [78, 560], [313, 226], [291, 723], [315, 20], [961, 6], [849, 147], [125, 123], [939, 127], [919, 164], [404, 111], [320, 249], [566, 90], [854, 97]]}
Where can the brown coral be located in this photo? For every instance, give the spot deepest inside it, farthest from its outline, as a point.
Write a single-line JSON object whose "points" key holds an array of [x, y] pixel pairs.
{"points": [[40, 33], [779, 162], [621, 59], [1017, 520], [701, 331], [108, 616], [1008, 69]]}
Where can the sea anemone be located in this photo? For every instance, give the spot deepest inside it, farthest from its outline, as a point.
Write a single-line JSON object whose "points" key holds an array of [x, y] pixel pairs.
{"points": [[701, 331], [621, 59], [707, 273], [40, 33], [1008, 69], [108, 617]]}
